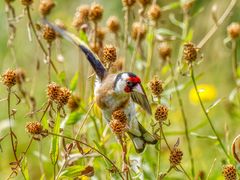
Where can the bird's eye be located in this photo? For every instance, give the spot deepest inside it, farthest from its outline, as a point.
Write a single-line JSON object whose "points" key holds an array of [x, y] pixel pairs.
{"points": [[130, 84]]}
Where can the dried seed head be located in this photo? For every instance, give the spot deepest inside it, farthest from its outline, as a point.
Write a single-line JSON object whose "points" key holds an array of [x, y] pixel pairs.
{"points": [[45, 7], [236, 148], [164, 51], [101, 33], [138, 31], [128, 3], [59, 23], [53, 92], [144, 2], [175, 156], [187, 6], [118, 123], [20, 76], [73, 103], [26, 2], [117, 66], [9, 78], [49, 34], [80, 16], [161, 113], [154, 12], [96, 12], [109, 54], [64, 95], [34, 128], [234, 30], [95, 47], [113, 24], [229, 172], [189, 52], [156, 86]]}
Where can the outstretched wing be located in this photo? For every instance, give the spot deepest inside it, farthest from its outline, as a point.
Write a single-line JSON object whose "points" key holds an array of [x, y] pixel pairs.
{"points": [[142, 100], [91, 56]]}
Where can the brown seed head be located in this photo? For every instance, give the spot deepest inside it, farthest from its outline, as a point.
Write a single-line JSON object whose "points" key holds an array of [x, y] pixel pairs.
{"points": [[49, 34], [45, 7], [117, 66], [161, 113], [9, 78], [165, 51], [64, 95], [144, 2], [80, 16], [187, 6], [189, 52], [73, 103], [53, 92], [128, 3], [229, 172], [113, 24], [95, 47], [96, 12], [156, 86], [34, 128], [109, 54], [154, 12], [234, 30], [138, 30], [101, 31], [20, 76], [118, 123], [175, 156], [26, 2]]}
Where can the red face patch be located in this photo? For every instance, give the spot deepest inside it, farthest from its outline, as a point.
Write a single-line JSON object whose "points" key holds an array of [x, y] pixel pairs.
{"points": [[135, 79]]}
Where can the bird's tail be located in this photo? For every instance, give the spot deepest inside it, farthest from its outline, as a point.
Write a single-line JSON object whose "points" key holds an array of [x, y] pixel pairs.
{"points": [[140, 137]]}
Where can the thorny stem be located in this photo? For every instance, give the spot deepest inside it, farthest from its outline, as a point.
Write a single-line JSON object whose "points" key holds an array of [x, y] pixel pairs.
{"points": [[206, 113], [216, 25], [38, 40], [126, 27], [91, 147], [180, 101]]}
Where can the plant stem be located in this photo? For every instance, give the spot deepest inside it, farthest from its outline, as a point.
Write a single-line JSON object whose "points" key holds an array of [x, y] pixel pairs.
{"points": [[126, 27], [180, 101], [49, 61], [206, 114], [234, 60]]}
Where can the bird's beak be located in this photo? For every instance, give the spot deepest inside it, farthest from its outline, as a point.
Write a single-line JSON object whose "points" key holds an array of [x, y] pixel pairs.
{"points": [[138, 88]]}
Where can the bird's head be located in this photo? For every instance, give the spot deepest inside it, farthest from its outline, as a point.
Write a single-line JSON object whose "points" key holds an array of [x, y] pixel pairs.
{"points": [[128, 82]]}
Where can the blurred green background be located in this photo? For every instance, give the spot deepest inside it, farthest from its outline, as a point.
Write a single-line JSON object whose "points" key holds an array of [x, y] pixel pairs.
{"points": [[215, 70]]}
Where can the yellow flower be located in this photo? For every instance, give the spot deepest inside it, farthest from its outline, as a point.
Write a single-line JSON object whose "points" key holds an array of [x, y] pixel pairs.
{"points": [[207, 93]]}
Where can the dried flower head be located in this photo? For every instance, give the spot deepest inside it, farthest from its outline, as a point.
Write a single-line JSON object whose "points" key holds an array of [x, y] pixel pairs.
{"points": [[113, 24], [117, 66], [156, 86], [26, 2], [234, 30], [80, 16], [73, 103], [96, 12], [53, 92], [45, 7], [49, 34], [20, 76], [101, 31], [128, 3], [189, 52], [229, 172], [161, 113], [175, 156], [95, 47], [118, 123], [9, 78], [63, 97], [34, 127], [188, 5], [154, 12], [109, 54], [138, 31], [165, 51], [144, 2]]}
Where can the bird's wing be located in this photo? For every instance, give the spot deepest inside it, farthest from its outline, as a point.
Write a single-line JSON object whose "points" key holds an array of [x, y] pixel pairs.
{"points": [[142, 100], [91, 56]]}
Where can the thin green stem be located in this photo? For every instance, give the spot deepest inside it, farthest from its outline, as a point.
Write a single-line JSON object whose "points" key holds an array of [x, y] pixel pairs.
{"points": [[206, 113], [186, 129], [234, 60]]}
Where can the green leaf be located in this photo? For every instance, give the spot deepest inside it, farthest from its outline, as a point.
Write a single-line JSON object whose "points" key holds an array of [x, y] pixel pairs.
{"points": [[74, 81], [54, 150], [76, 171], [25, 169], [74, 117], [62, 76], [163, 31], [214, 104], [171, 6], [204, 136], [83, 36]]}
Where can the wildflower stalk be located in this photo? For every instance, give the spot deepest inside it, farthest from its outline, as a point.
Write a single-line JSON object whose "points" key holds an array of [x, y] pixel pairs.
{"points": [[126, 27], [234, 60], [206, 113], [49, 61], [91, 147], [180, 101]]}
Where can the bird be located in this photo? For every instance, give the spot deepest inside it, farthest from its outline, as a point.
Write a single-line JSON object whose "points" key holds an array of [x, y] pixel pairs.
{"points": [[116, 91]]}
